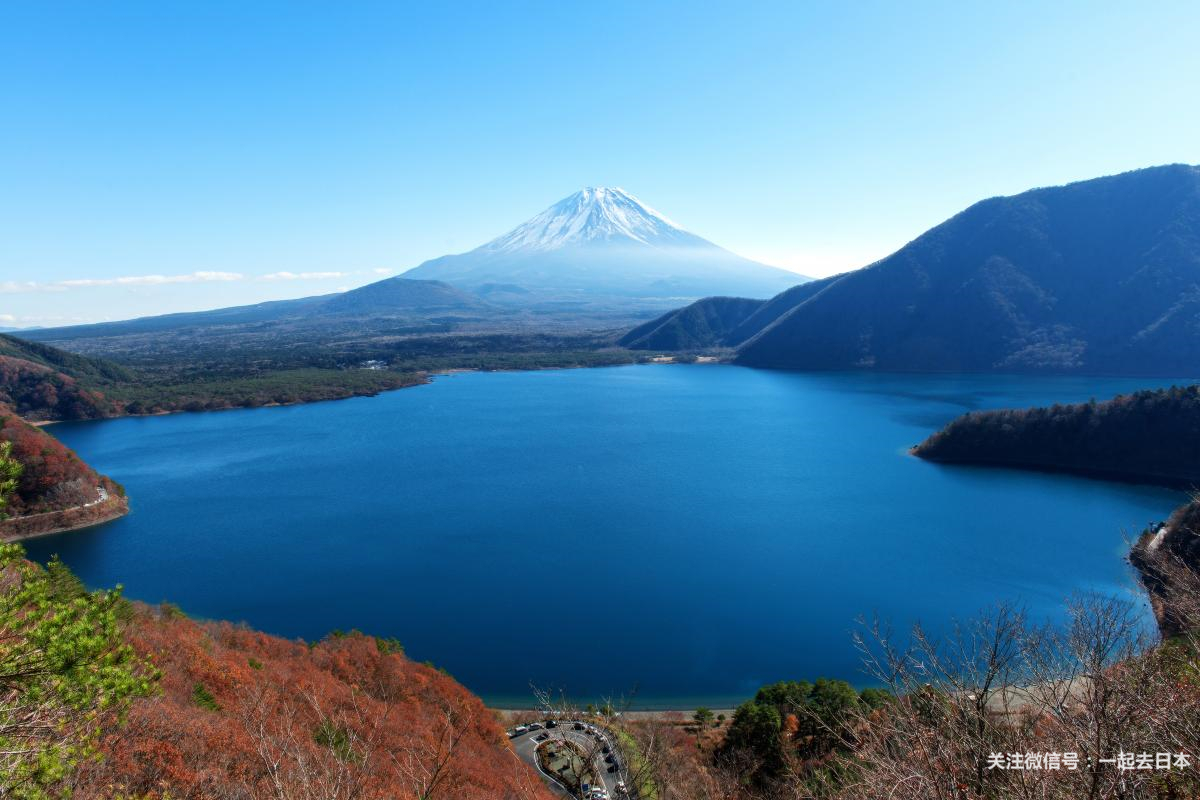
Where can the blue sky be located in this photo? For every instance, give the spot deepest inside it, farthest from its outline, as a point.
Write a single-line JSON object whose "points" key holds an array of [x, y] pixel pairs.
{"points": [[173, 156]]}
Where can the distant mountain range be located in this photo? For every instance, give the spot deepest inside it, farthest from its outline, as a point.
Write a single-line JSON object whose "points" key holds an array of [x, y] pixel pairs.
{"points": [[397, 300], [1101, 276], [604, 242], [599, 258]]}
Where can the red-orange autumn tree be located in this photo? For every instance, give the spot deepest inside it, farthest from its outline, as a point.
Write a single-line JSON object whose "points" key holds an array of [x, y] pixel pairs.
{"points": [[247, 715]]}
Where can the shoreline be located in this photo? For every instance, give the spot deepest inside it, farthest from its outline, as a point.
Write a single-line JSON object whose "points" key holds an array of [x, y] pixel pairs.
{"points": [[1132, 478], [424, 378], [66, 520]]}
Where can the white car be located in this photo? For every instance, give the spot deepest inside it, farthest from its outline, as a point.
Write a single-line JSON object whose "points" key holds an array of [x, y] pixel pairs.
{"points": [[621, 787]]}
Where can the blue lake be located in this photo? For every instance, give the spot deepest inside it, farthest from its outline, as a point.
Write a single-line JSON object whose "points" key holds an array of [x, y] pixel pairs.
{"points": [[690, 532]]}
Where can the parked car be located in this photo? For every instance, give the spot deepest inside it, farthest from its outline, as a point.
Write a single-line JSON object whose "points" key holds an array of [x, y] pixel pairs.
{"points": [[578, 726], [543, 737], [605, 748], [519, 730], [533, 726], [551, 723], [620, 787]]}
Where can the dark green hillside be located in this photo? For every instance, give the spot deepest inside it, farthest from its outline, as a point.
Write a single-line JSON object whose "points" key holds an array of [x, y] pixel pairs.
{"points": [[719, 321], [1151, 436], [1101, 276], [705, 323], [777, 308], [76, 366], [42, 383]]}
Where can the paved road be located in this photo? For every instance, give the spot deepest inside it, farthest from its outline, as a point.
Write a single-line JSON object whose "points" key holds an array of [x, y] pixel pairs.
{"points": [[526, 744]]}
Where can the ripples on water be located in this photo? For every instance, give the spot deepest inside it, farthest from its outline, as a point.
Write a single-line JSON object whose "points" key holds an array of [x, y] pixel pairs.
{"points": [[692, 531]]}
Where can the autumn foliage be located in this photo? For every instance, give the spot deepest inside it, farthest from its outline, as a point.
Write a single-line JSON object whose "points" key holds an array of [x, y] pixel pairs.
{"points": [[52, 477], [38, 392], [246, 715]]}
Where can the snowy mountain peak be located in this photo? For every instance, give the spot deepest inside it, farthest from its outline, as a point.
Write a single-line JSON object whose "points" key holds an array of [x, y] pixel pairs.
{"points": [[599, 244], [594, 215]]}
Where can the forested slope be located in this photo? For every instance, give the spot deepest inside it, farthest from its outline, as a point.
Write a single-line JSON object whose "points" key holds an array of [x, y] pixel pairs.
{"points": [[1150, 436], [51, 482], [1096, 277], [1100, 276], [242, 714]]}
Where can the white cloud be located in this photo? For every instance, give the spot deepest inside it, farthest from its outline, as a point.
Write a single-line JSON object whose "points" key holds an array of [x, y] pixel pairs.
{"points": [[303, 276], [11, 287], [151, 280], [52, 319], [18, 287], [383, 270]]}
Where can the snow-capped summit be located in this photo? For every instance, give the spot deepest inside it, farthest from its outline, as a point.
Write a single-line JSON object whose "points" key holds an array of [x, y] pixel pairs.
{"points": [[595, 213], [603, 242]]}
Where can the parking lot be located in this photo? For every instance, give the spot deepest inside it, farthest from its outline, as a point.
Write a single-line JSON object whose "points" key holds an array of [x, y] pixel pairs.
{"points": [[596, 744]]}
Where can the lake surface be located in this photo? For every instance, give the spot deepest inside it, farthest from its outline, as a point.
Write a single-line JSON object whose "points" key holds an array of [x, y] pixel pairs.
{"points": [[691, 531]]}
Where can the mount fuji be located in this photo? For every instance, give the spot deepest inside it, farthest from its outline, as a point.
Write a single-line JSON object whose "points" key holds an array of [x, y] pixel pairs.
{"points": [[603, 243], [597, 259]]}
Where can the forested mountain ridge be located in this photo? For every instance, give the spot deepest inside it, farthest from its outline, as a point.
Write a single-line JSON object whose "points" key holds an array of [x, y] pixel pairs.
{"points": [[40, 382], [60, 360], [719, 321], [1100, 276], [1151, 436], [41, 393], [1096, 277], [705, 323], [43, 383]]}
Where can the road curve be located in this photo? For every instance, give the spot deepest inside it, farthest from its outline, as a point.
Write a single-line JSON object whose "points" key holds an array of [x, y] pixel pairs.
{"points": [[590, 739]]}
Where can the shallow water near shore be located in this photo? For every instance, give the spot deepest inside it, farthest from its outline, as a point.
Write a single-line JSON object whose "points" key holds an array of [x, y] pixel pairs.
{"points": [[681, 533]]}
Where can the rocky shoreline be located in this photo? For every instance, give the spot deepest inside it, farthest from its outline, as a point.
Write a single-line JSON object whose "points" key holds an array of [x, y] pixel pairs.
{"points": [[1168, 563]]}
